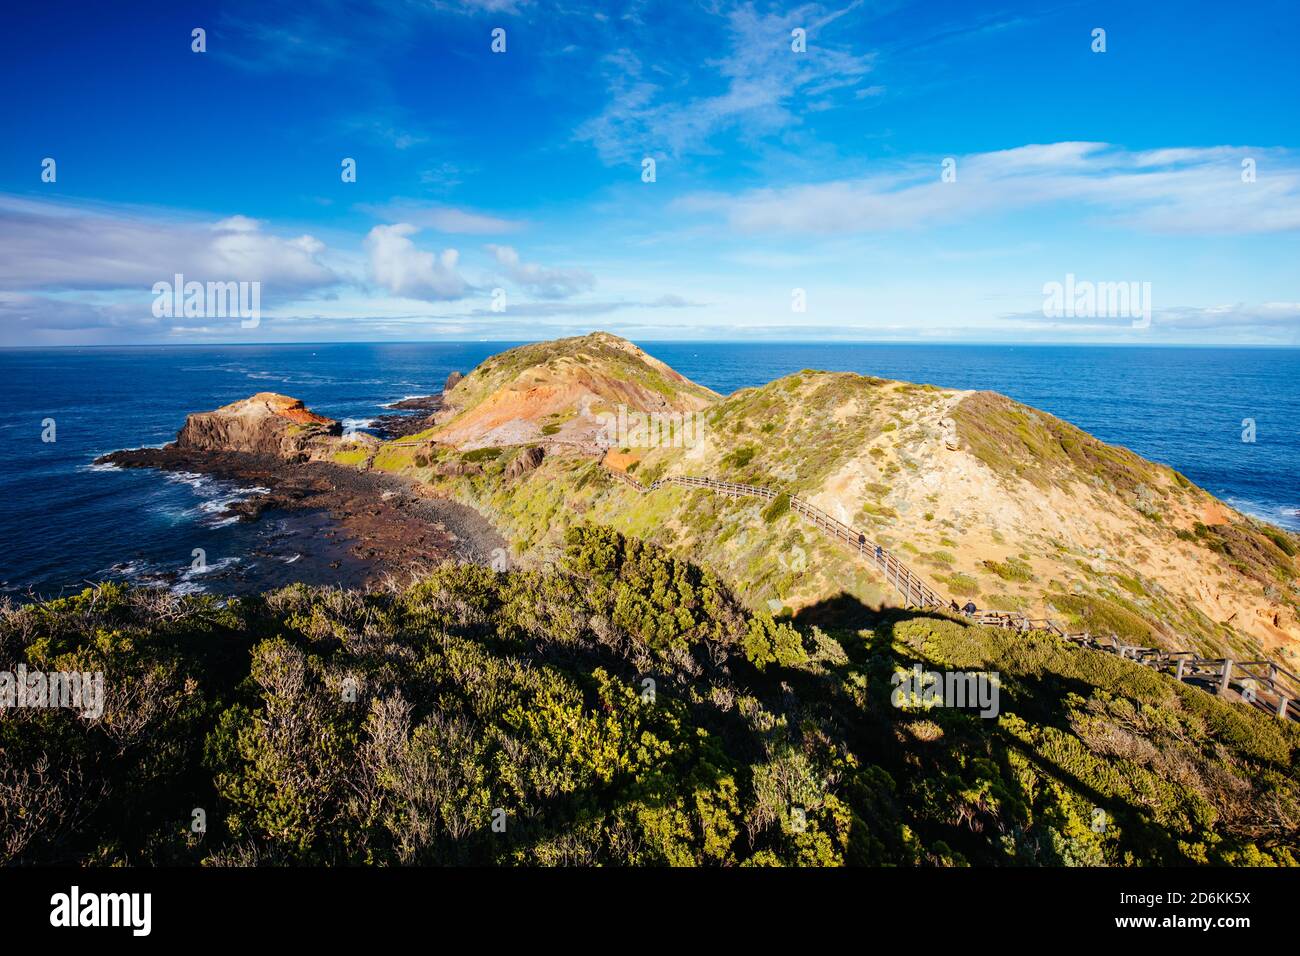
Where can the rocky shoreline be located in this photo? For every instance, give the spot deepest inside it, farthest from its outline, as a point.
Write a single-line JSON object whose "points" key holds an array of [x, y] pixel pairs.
{"points": [[390, 427], [270, 441], [389, 526]]}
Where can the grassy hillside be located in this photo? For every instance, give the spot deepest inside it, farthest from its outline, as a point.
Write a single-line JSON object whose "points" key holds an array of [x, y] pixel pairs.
{"points": [[317, 726], [991, 500], [599, 352]]}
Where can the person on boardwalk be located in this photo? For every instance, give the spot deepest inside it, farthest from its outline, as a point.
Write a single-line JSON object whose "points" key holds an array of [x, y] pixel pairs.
{"points": [[970, 608]]}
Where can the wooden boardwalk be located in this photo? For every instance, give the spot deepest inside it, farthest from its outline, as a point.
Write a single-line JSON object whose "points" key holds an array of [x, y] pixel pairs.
{"points": [[1263, 684]]}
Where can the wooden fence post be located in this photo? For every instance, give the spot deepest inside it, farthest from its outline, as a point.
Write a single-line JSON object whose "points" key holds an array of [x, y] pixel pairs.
{"points": [[916, 592]]}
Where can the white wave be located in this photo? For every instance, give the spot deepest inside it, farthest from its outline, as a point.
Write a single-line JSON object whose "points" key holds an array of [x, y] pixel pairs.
{"points": [[208, 568], [218, 496], [93, 465], [187, 581], [127, 569], [1284, 516], [222, 502], [214, 508], [195, 481], [398, 401]]}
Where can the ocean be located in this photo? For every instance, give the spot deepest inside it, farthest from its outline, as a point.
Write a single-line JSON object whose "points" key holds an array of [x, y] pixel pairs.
{"points": [[65, 522]]}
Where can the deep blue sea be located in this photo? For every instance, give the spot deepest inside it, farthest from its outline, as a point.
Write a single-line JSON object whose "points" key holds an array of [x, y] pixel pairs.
{"points": [[64, 522]]}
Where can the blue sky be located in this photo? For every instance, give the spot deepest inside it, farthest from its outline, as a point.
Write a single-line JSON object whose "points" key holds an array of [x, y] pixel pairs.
{"points": [[782, 177]]}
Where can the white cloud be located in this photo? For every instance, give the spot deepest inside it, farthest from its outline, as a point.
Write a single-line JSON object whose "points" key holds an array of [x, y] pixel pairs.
{"points": [[762, 80], [54, 246], [442, 218], [471, 7], [240, 248], [541, 282], [402, 269], [1263, 317], [237, 224], [1282, 316], [1197, 191]]}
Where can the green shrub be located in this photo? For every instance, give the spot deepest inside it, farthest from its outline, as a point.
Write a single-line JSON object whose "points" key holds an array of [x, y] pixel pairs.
{"points": [[962, 585], [768, 641], [777, 508], [1282, 540], [1012, 569], [621, 709], [740, 457]]}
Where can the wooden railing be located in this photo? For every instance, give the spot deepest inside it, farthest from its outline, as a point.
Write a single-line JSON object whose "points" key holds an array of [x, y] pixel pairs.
{"points": [[916, 591], [1263, 684]]}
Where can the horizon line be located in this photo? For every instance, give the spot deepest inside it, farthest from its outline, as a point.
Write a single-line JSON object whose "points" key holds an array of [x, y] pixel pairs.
{"points": [[747, 342]]}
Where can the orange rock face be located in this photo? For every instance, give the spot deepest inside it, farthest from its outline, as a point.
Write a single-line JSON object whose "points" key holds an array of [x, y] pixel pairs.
{"points": [[264, 424], [286, 407]]}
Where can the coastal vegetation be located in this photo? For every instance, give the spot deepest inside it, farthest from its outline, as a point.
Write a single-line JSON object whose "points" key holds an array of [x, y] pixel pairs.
{"points": [[987, 499], [993, 500], [676, 676], [620, 706]]}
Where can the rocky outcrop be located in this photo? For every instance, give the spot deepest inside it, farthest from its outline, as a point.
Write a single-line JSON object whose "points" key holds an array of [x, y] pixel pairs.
{"points": [[525, 461], [456, 469], [265, 424], [948, 428], [563, 393], [402, 423], [452, 381]]}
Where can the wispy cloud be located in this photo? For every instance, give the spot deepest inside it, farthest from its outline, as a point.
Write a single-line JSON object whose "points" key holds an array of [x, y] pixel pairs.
{"points": [[1189, 190], [657, 110], [47, 245], [473, 7], [1240, 317], [540, 281], [313, 38], [442, 218], [579, 309]]}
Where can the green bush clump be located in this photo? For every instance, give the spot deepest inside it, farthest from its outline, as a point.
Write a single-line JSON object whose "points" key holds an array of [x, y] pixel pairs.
{"points": [[667, 603], [740, 457], [962, 585], [1012, 569], [777, 508], [619, 708], [1259, 554], [1282, 540], [1103, 616], [768, 641]]}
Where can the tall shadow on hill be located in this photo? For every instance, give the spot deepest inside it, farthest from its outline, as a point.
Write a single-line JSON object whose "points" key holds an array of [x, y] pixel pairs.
{"points": [[879, 733], [844, 611]]}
